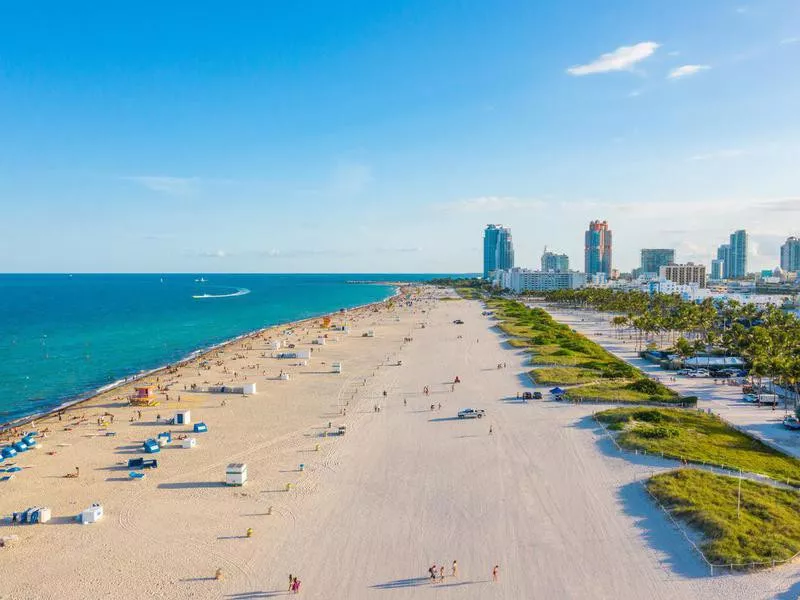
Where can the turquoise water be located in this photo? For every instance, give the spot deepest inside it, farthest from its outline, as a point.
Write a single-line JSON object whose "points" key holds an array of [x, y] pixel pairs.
{"points": [[62, 337]]}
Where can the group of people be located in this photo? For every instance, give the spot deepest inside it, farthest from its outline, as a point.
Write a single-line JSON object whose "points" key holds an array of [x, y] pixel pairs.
{"points": [[294, 584], [437, 573]]}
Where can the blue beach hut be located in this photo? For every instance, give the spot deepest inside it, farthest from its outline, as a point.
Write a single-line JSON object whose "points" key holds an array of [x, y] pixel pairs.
{"points": [[151, 446], [20, 446], [8, 452], [29, 441], [200, 428]]}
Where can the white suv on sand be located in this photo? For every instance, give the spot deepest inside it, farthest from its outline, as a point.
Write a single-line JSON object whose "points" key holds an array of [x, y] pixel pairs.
{"points": [[471, 413]]}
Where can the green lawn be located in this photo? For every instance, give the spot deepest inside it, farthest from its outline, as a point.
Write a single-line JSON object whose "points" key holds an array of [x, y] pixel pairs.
{"points": [[553, 354], [698, 437], [563, 375], [768, 527]]}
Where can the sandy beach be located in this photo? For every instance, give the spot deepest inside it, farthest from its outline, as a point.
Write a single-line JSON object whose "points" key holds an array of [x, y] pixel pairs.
{"points": [[542, 496]]}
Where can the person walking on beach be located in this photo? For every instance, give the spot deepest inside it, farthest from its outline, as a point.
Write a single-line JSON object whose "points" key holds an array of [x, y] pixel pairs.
{"points": [[495, 573], [490, 430], [455, 568], [405, 402], [441, 573], [432, 572]]}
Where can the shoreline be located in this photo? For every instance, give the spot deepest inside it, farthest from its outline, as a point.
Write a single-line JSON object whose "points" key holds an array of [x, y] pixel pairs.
{"points": [[79, 399]]}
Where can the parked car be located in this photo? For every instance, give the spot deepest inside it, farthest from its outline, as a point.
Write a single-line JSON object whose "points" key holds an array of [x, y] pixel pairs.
{"points": [[458, 322], [750, 398], [471, 413], [791, 422], [768, 401], [527, 395], [684, 371], [537, 395]]}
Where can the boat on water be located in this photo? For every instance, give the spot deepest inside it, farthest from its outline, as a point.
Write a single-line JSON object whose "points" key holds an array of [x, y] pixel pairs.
{"points": [[201, 280]]}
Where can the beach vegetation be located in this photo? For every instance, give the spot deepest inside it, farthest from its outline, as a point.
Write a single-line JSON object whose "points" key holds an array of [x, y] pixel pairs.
{"points": [[762, 528], [698, 437]]}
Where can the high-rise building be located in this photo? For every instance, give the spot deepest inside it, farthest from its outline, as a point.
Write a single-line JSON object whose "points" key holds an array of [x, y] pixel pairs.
{"points": [[723, 254], [498, 249], [736, 265], [655, 258], [684, 274], [717, 267], [557, 263], [597, 248], [790, 255]]}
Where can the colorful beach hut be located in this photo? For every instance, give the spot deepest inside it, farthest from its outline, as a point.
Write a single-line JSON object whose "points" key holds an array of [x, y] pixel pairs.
{"points": [[151, 446], [9, 452], [183, 417], [200, 428]]}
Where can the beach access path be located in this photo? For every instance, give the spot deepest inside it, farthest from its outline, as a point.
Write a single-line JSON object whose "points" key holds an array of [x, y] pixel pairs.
{"points": [[543, 496]]}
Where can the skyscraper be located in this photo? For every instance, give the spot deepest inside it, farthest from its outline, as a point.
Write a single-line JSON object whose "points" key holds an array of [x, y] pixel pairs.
{"points": [[717, 267], [557, 263], [498, 249], [790, 255], [736, 265], [723, 253], [655, 258], [597, 248]]}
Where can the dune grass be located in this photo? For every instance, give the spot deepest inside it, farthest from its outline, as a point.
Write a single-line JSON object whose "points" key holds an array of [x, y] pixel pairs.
{"points": [[573, 358], [767, 528], [563, 375], [698, 437], [620, 391]]}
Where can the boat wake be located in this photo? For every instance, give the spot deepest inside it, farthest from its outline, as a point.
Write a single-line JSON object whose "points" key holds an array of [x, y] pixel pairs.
{"points": [[238, 292]]}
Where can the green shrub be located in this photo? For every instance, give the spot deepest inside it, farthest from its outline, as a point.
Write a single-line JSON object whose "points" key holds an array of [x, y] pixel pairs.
{"points": [[646, 386], [656, 432]]}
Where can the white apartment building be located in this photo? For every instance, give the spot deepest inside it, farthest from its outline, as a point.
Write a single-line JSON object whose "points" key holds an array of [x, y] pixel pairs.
{"points": [[526, 280]]}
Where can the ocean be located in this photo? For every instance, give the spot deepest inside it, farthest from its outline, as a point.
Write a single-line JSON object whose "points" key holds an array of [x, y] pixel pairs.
{"points": [[63, 337]]}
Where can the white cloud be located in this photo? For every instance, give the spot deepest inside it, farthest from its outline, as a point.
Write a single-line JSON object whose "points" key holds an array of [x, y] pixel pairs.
{"points": [[686, 70], [719, 154], [214, 254], [172, 186], [490, 204], [621, 59]]}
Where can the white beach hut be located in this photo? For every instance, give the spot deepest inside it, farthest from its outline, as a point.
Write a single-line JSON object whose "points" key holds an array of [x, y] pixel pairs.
{"points": [[236, 474], [92, 514], [189, 443], [283, 377], [337, 367], [303, 353], [249, 388], [183, 417], [275, 345], [320, 341]]}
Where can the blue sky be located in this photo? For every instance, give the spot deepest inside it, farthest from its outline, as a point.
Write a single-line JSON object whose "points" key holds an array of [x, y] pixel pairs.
{"points": [[360, 136]]}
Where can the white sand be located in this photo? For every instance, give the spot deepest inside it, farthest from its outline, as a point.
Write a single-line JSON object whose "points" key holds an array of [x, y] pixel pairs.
{"points": [[543, 496]]}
